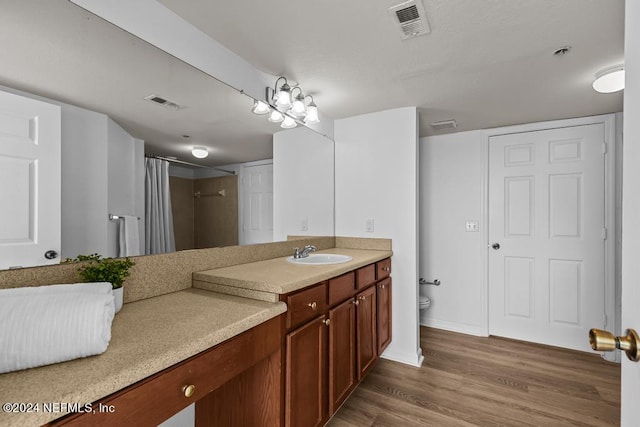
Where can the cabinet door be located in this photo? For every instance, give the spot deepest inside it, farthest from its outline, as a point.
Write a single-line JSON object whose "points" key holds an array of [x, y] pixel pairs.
{"points": [[366, 350], [306, 395], [384, 314], [342, 351]]}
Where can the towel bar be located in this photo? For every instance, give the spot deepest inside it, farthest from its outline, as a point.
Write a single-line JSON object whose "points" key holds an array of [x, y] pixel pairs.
{"points": [[114, 217], [436, 282]]}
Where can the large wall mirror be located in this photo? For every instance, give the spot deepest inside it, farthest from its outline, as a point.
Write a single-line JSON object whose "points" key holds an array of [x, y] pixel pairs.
{"points": [[104, 80]]}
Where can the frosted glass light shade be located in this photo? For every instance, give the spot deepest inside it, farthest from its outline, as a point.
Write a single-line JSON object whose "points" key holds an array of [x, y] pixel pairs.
{"points": [[260, 107], [200, 152], [283, 97], [609, 80], [288, 123], [312, 114], [276, 117]]}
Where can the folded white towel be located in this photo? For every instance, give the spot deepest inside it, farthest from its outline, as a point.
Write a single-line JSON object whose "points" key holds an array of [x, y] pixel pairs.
{"points": [[93, 287], [41, 328], [129, 239]]}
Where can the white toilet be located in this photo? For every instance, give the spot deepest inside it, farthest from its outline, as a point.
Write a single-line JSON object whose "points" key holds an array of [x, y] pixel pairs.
{"points": [[425, 302]]}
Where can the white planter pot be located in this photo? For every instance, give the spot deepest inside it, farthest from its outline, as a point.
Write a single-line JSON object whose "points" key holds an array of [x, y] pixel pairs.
{"points": [[118, 297]]}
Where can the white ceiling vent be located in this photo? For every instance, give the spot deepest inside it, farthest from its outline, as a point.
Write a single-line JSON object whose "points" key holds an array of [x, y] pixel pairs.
{"points": [[164, 102], [410, 18], [444, 124]]}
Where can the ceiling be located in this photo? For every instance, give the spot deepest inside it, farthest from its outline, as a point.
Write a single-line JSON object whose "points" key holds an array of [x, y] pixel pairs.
{"points": [[485, 64]]}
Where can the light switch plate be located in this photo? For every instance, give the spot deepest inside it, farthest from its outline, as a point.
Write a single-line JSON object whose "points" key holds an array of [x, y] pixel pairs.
{"points": [[472, 226]]}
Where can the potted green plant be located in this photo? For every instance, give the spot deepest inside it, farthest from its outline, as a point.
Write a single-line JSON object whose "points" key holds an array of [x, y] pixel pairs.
{"points": [[112, 270]]}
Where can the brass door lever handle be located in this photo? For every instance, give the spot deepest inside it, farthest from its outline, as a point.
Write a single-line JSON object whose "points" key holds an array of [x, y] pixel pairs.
{"points": [[605, 341]]}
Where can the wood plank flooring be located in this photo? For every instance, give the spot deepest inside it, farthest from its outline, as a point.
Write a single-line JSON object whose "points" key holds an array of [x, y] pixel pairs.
{"points": [[475, 381]]}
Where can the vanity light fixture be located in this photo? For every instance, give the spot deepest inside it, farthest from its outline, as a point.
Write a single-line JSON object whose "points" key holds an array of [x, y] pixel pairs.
{"points": [[260, 108], [287, 105], [200, 152], [610, 79], [276, 116], [312, 112], [288, 123]]}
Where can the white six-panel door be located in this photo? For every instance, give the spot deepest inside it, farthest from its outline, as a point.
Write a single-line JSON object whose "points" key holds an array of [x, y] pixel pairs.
{"points": [[546, 213], [29, 181], [257, 204]]}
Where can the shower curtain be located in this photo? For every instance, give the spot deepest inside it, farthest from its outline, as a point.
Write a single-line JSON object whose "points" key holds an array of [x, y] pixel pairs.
{"points": [[159, 236]]}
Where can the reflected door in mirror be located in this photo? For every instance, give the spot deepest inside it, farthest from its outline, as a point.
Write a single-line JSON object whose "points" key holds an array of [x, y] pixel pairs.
{"points": [[29, 181]]}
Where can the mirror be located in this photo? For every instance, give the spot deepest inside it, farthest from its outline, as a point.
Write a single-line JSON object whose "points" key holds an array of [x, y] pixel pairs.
{"points": [[62, 54]]}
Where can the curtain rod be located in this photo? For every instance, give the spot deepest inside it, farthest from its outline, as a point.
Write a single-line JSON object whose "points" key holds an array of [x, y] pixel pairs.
{"points": [[150, 156]]}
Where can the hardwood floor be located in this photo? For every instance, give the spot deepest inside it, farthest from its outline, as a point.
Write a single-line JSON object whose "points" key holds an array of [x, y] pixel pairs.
{"points": [[475, 381]]}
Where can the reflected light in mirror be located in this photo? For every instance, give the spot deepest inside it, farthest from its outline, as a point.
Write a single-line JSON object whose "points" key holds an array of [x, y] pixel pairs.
{"points": [[260, 107], [288, 123], [200, 152], [276, 117]]}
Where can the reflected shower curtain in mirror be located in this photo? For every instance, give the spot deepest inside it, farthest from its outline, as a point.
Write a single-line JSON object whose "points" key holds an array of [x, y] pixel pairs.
{"points": [[159, 236]]}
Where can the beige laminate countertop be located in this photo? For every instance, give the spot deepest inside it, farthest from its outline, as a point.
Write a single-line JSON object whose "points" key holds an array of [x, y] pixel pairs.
{"points": [[146, 337], [278, 276]]}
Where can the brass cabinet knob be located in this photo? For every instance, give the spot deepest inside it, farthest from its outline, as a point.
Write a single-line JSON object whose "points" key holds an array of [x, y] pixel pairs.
{"points": [[605, 341], [362, 297], [386, 269], [313, 305], [356, 302], [188, 390], [327, 322]]}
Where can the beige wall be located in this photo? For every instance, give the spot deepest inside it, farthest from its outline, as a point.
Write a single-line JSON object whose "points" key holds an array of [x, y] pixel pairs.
{"points": [[182, 209], [208, 221], [216, 216]]}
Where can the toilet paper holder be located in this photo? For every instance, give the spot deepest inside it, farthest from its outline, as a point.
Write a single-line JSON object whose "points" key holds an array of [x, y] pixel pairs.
{"points": [[436, 282]]}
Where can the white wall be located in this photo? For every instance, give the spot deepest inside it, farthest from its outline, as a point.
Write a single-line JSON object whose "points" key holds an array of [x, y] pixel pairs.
{"points": [[630, 209], [377, 178], [125, 160], [302, 184], [450, 194], [84, 182]]}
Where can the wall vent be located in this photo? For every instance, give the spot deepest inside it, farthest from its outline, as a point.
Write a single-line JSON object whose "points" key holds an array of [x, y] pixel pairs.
{"points": [[410, 18], [164, 102], [444, 124]]}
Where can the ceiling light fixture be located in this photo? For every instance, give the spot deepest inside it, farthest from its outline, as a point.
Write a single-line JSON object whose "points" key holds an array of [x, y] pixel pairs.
{"points": [[287, 105], [200, 152], [610, 79]]}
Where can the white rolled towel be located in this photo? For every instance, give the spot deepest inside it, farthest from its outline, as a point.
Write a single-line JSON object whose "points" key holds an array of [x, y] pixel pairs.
{"points": [[47, 326]]}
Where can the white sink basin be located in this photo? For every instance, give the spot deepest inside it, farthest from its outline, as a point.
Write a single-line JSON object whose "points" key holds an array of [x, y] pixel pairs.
{"points": [[320, 259]]}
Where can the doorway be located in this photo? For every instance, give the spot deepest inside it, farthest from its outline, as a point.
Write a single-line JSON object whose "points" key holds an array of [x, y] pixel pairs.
{"points": [[550, 232]]}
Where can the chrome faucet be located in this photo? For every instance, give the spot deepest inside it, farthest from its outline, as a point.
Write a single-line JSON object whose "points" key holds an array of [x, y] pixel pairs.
{"points": [[304, 253]]}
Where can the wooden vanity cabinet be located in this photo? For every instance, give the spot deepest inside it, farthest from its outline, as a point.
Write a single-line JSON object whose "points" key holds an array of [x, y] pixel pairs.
{"points": [[328, 355], [366, 330], [383, 313], [306, 396], [243, 372], [342, 353]]}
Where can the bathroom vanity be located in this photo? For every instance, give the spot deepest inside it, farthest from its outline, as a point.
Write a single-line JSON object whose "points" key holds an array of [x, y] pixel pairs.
{"points": [[289, 342], [337, 324]]}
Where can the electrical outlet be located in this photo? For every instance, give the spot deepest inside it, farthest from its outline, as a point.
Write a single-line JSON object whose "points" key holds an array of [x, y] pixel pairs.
{"points": [[304, 224], [472, 226], [368, 225]]}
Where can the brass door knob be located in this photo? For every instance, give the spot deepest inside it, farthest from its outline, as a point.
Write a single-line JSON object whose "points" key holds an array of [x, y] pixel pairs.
{"points": [[605, 341], [188, 390]]}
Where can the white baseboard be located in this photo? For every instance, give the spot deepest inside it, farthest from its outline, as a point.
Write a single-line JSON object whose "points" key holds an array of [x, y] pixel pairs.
{"points": [[408, 359], [453, 326]]}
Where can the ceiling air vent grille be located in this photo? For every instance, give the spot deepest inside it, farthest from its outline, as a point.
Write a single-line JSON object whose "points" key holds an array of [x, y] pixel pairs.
{"points": [[410, 18], [444, 124], [164, 102]]}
